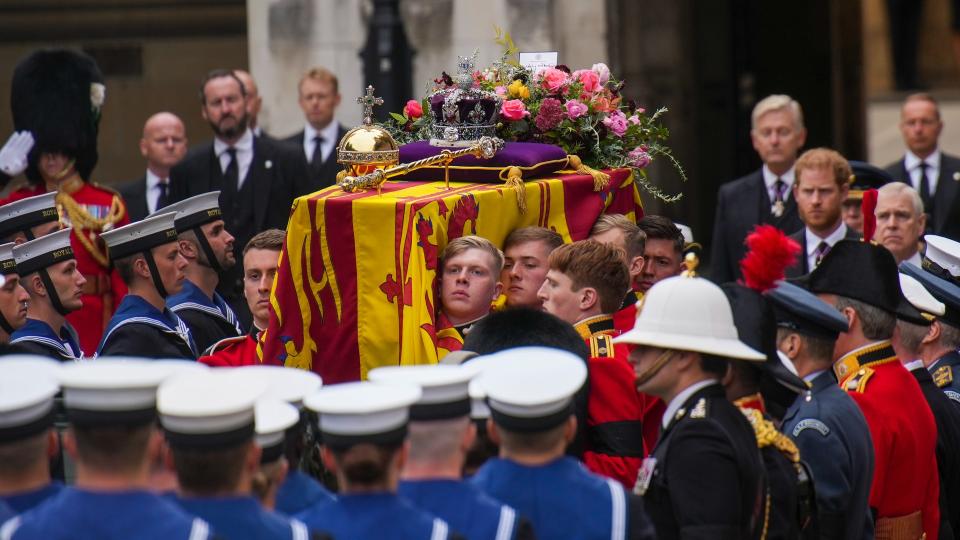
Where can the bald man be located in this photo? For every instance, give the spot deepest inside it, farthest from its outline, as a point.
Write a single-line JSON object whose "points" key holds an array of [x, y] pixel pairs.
{"points": [[254, 101], [163, 145]]}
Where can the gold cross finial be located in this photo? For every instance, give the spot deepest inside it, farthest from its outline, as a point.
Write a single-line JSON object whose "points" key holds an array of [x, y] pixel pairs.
{"points": [[368, 101]]}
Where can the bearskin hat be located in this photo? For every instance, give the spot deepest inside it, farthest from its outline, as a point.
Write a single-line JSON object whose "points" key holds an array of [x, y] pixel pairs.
{"points": [[56, 95]]}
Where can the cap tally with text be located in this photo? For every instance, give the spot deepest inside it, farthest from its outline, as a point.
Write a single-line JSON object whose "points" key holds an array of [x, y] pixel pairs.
{"points": [[865, 177], [444, 388], [43, 252], [796, 308], [943, 290], [533, 391], [283, 383], [208, 410], [272, 419], [363, 412], [140, 236], [111, 392], [942, 257], [8, 265], [195, 211], [20, 216], [689, 314], [915, 293], [26, 401]]}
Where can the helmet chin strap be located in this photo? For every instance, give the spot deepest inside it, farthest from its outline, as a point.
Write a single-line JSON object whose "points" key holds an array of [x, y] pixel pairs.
{"points": [[155, 273], [212, 260], [52, 292], [7, 327], [651, 371]]}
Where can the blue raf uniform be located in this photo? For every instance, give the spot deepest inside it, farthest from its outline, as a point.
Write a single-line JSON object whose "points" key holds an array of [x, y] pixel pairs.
{"points": [[826, 424], [36, 337], [244, 517], [23, 501], [77, 514], [467, 509], [374, 515], [140, 329], [299, 492]]}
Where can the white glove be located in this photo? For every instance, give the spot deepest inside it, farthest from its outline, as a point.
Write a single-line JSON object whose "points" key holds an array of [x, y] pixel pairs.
{"points": [[13, 155]]}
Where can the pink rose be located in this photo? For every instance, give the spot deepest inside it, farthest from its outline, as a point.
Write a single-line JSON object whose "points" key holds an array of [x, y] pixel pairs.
{"points": [[616, 122], [638, 157], [553, 80], [602, 71], [635, 120], [500, 90], [575, 109], [514, 109], [589, 79], [413, 109]]}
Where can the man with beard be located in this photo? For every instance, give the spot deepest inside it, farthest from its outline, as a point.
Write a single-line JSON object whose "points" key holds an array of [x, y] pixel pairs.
{"points": [[147, 257], [820, 188], [208, 249], [258, 178]]}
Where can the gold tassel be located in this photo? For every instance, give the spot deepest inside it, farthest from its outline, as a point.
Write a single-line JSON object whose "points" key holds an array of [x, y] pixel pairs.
{"points": [[515, 181], [600, 178]]}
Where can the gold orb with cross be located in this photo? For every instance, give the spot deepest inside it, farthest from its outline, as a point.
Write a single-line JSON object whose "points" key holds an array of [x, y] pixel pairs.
{"points": [[367, 147]]}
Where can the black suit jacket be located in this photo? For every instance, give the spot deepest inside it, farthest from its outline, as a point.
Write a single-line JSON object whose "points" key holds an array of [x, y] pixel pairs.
{"points": [[326, 174], [944, 218], [134, 195], [947, 418], [800, 237], [741, 205]]}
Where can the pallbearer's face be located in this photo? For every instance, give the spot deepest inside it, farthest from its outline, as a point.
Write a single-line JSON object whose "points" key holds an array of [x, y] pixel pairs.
{"points": [[259, 270]]}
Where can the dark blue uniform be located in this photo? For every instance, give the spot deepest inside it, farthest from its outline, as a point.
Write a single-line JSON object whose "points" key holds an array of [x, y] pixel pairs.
{"points": [[139, 329], [468, 510], [374, 515], [21, 502], [563, 500], [76, 514], [300, 492], [946, 375], [36, 337], [236, 518], [209, 320], [834, 440]]}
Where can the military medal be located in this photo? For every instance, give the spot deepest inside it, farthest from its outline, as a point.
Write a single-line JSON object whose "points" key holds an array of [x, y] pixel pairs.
{"points": [[777, 209], [644, 475]]}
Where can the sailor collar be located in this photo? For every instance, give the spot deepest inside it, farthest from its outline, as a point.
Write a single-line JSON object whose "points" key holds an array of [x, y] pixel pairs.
{"points": [[135, 310], [38, 331], [191, 297]]}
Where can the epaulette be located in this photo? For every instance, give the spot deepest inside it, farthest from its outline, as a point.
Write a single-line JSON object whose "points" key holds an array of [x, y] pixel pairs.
{"points": [[223, 344], [106, 188], [768, 435], [857, 381], [943, 376], [601, 346]]}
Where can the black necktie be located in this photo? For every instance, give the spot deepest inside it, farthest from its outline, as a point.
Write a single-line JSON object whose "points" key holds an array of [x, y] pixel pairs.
{"points": [[925, 188], [164, 189], [231, 176], [820, 253], [317, 158]]}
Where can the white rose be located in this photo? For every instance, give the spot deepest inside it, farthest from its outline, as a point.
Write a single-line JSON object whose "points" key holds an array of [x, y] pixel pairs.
{"points": [[602, 71], [98, 93]]}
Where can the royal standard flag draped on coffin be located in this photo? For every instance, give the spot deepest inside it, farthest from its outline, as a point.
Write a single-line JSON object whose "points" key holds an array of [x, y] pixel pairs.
{"points": [[356, 286]]}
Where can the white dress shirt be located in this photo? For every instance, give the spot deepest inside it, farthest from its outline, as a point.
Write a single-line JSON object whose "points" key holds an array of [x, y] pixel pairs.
{"points": [[813, 241], [769, 178], [679, 399], [329, 135], [153, 190], [912, 163], [244, 148], [915, 260]]}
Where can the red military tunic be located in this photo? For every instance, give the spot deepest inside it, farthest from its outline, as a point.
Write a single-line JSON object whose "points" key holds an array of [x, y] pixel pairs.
{"points": [[904, 434], [614, 434], [90, 209], [232, 352]]}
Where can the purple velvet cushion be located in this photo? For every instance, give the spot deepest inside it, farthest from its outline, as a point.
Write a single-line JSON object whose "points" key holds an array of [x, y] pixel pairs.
{"points": [[535, 160]]}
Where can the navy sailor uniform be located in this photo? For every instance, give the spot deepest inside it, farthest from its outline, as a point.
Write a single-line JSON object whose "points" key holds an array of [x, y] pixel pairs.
{"points": [[467, 509], [834, 440], [564, 500], [946, 375], [209, 320], [139, 329], [375, 515], [236, 518], [36, 337], [77, 514], [299, 492]]}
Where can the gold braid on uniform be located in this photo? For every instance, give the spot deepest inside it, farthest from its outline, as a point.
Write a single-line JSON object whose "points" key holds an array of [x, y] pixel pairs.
{"points": [[82, 221], [768, 435]]}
